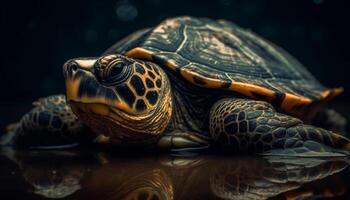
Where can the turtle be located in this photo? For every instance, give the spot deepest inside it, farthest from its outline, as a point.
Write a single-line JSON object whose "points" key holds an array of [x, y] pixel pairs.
{"points": [[190, 83]]}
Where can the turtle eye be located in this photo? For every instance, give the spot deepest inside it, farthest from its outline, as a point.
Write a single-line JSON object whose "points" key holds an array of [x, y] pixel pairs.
{"points": [[116, 71]]}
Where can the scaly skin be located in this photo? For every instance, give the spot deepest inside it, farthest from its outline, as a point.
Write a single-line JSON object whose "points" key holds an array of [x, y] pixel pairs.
{"points": [[50, 124], [255, 126], [120, 97]]}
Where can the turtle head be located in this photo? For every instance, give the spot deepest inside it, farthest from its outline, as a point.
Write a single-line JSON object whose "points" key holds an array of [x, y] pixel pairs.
{"points": [[127, 99]]}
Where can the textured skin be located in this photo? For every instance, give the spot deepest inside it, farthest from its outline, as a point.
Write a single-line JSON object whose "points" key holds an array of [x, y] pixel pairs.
{"points": [[245, 125], [121, 97], [140, 89], [50, 123]]}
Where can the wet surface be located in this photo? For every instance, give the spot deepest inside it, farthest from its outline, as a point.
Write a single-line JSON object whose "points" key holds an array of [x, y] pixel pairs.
{"points": [[86, 174], [94, 174]]}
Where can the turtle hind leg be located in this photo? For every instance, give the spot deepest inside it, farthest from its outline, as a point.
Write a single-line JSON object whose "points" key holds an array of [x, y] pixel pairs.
{"points": [[49, 125], [244, 125]]}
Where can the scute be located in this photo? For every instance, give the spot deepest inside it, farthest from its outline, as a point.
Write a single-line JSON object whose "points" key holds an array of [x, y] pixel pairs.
{"points": [[221, 55]]}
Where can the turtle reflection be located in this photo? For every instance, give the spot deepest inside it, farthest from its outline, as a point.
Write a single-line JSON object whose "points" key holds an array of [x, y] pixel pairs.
{"points": [[264, 178], [207, 178], [100, 176], [124, 178], [51, 174]]}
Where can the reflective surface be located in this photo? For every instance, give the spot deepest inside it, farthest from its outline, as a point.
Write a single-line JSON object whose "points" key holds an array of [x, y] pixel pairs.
{"points": [[81, 174]]}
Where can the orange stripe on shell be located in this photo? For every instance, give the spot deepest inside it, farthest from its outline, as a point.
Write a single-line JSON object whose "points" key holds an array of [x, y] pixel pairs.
{"points": [[292, 104], [331, 93], [139, 53]]}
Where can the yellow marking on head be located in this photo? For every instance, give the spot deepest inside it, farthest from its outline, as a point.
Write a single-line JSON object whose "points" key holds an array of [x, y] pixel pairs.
{"points": [[72, 90], [100, 109], [122, 105], [72, 87], [133, 106], [115, 117], [98, 105], [144, 77], [85, 63], [101, 105], [120, 124]]}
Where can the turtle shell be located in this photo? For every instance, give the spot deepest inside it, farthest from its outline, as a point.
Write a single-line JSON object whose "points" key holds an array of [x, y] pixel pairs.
{"points": [[221, 55]]}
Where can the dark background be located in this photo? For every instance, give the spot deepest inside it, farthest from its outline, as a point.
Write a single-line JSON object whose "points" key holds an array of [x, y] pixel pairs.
{"points": [[38, 36]]}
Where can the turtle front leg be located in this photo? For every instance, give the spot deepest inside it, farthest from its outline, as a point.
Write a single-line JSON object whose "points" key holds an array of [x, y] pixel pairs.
{"points": [[244, 125], [182, 141], [49, 124]]}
